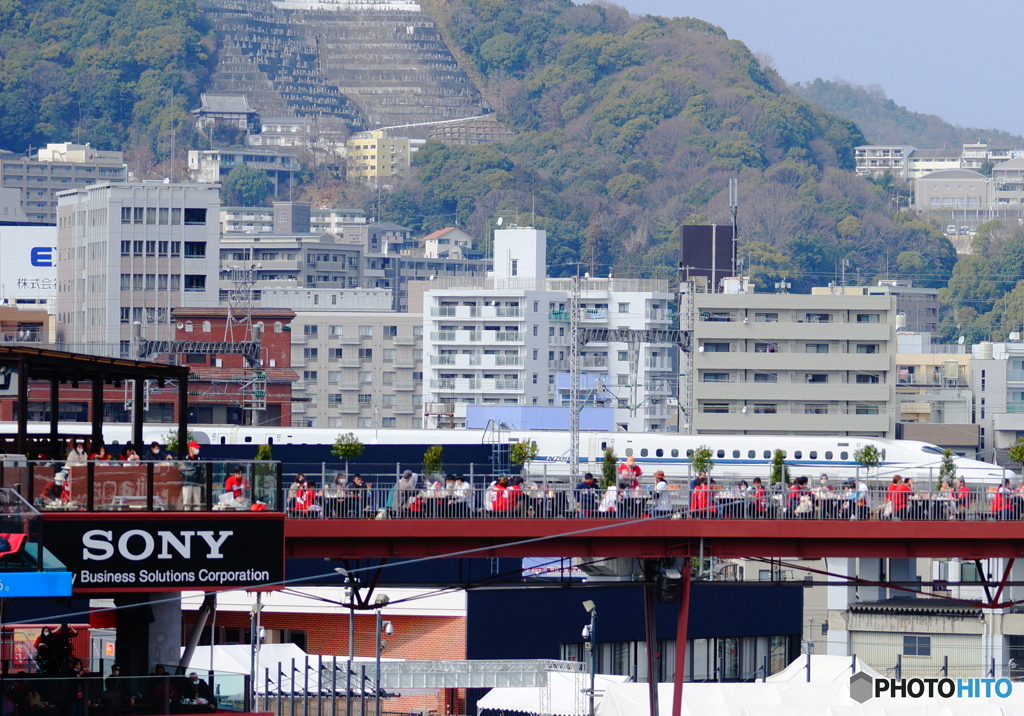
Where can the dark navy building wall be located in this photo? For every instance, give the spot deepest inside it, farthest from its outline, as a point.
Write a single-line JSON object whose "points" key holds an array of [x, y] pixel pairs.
{"points": [[532, 624]]}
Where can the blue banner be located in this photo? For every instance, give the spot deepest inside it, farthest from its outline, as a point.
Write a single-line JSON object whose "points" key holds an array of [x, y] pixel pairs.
{"points": [[35, 584]]}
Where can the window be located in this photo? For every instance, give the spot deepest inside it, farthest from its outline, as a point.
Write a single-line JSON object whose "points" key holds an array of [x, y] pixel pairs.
{"points": [[716, 377], [819, 317], [365, 354], [207, 326], [766, 348], [623, 308], [917, 645], [390, 354], [195, 249], [969, 572], [816, 348], [335, 398], [389, 422], [766, 318], [334, 376], [195, 282], [388, 377], [309, 375], [364, 422], [365, 399], [715, 347], [515, 267], [309, 331], [309, 354], [766, 408], [815, 409], [126, 217], [828, 454], [867, 410], [867, 348], [867, 318], [716, 408], [195, 217], [816, 377], [366, 331], [766, 378], [867, 378], [366, 376]]}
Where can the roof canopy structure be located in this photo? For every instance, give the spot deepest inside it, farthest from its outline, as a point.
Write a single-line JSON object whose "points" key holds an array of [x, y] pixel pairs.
{"points": [[20, 364]]}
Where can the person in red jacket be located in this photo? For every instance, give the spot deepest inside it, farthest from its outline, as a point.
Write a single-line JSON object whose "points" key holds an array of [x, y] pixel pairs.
{"points": [[897, 496], [630, 471], [702, 500], [501, 500], [1002, 504]]}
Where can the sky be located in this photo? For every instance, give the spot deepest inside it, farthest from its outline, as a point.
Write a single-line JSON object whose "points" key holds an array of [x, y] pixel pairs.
{"points": [[959, 60]]}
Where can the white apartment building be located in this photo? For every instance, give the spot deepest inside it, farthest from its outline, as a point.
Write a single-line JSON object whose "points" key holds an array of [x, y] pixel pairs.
{"points": [[212, 166], [131, 253], [357, 369], [997, 381], [789, 364], [504, 341]]}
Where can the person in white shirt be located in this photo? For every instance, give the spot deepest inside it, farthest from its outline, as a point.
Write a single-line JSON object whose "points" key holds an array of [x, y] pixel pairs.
{"points": [[661, 501]]}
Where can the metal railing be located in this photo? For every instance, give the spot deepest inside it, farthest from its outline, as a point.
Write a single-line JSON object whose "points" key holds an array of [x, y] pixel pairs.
{"points": [[146, 486]]}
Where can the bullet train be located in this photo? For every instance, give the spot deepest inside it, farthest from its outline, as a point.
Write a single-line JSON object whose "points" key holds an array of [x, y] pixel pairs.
{"points": [[733, 455]]}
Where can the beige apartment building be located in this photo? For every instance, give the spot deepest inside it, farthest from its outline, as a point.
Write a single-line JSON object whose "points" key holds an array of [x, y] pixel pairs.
{"points": [[788, 364]]}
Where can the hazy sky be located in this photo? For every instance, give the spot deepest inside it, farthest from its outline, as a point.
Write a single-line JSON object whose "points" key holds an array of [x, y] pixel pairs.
{"points": [[959, 60]]}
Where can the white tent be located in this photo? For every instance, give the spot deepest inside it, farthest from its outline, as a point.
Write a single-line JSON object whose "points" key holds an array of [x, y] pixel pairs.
{"points": [[564, 697], [795, 698], [824, 668]]}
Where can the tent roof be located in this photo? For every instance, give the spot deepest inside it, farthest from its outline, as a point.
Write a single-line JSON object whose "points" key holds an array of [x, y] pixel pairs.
{"points": [[824, 668], [566, 697]]}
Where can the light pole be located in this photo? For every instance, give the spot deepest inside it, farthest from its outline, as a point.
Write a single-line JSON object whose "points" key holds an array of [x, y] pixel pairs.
{"points": [[589, 634], [379, 603], [350, 593]]}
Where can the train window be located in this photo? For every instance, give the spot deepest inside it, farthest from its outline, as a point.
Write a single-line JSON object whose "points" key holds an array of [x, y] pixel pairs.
{"points": [[643, 452], [659, 452], [604, 446], [813, 454], [248, 438], [828, 454], [689, 453], [270, 441], [844, 455], [751, 454], [629, 451], [721, 453], [735, 453], [675, 452], [798, 454], [767, 454]]}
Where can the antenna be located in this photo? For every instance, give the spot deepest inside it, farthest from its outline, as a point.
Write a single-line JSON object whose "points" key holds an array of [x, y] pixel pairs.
{"points": [[734, 191]]}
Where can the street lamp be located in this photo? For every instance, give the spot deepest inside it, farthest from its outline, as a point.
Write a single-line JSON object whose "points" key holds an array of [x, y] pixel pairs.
{"points": [[350, 594], [379, 603], [589, 634]]}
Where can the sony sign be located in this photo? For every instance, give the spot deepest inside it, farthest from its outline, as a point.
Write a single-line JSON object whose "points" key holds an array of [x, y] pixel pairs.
{"points": [[160, 553], [100, 544]]}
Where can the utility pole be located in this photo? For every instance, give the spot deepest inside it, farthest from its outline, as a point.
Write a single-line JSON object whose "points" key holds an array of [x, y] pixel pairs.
{"points": [[574, 379]]}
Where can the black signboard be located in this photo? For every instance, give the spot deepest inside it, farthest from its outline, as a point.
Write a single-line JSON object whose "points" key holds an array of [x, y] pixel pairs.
{"points": [[168, 555]]}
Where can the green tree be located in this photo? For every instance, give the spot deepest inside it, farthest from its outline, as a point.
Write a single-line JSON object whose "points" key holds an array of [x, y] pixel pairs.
{"points": [[263, 475], [1016, 453], [433, 460], [868, 457], [347, 447], [172, 444], [609, 467], [779, 468], [522, 452], [701, 459], [246, 186], [947, 471]]}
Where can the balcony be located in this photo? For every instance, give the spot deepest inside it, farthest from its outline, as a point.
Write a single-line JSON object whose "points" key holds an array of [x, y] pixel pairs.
{"points": [[350, 409], [442, 360], [348, 385], [505, 384], [508, 336], [350, 362], [403, 387], [509, 360], [405, 363], [404, 340], [350, 340]]}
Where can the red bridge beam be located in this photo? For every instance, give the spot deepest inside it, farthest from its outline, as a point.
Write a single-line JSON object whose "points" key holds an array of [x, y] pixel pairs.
{"points": [[412, 538]]}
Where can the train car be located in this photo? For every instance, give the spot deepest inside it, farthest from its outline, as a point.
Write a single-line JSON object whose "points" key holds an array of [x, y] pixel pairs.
{"points": [[734, 455]]}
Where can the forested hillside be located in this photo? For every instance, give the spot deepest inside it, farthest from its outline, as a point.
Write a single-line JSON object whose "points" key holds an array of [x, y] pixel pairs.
{"points": [[629, 127], [117, 73], [884, 122]]}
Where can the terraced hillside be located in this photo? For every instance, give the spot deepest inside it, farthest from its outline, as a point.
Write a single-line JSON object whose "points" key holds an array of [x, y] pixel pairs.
{"points": [[371, 67]]}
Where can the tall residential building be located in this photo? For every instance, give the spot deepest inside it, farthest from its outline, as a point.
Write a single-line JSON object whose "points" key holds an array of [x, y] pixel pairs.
{"points": [[212, 166], [504, 341], [794, 364], [131, 253], [375, 158], [58, 167]]}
